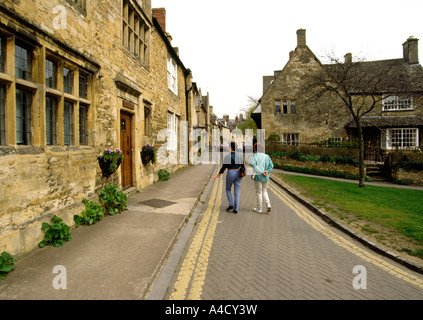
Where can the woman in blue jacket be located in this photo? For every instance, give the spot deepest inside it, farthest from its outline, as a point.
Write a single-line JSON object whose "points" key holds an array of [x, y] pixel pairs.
{"points": [[233, 162], [262, 166]]}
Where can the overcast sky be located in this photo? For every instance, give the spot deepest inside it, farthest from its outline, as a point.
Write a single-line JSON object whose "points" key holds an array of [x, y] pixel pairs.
{"points": [[229, 45]]}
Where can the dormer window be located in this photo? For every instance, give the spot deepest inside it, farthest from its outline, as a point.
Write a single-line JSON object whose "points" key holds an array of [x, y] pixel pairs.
{"points": [[397, 103]]}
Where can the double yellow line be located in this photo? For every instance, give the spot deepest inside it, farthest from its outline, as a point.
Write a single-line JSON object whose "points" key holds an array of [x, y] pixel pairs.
{"points": [[344, 243], [193, 271]]}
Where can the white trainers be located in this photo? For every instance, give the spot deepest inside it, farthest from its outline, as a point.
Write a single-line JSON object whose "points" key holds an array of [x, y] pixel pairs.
{"points": [[257, 210]]}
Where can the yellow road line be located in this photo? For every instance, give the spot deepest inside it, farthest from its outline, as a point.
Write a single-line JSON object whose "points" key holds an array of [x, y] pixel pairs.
{"points": [[194, 266], [341, 241]]}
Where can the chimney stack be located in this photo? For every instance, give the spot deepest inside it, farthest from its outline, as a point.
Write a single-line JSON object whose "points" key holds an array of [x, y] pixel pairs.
{"points": [[411, 50], [348, 58], [301, 38], [160, 15]]}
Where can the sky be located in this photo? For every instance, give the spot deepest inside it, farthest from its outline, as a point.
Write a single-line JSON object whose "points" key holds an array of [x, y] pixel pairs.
{"points": [[229, 45]]}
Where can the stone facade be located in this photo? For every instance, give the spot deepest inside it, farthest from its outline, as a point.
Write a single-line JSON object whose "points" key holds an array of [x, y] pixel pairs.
{"points": [[285, 110], [77, 77]]}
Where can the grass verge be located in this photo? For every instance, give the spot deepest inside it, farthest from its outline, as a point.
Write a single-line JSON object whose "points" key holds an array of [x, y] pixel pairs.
{"points": [[392, 217]]}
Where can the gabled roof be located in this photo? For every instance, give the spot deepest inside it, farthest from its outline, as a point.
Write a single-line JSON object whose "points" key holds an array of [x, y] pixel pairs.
{"points": [[397, 70]]}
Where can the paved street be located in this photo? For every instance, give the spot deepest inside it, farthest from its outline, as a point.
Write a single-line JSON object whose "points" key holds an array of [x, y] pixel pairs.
{"points": [[287, 254]]}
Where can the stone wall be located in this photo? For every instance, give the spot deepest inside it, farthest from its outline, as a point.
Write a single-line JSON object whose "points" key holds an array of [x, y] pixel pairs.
{"points": [[343, 168], [38, 180]]}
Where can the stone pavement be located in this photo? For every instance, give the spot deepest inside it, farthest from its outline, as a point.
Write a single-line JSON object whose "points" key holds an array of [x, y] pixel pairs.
{"points": [[119, 256], [287, 254]]}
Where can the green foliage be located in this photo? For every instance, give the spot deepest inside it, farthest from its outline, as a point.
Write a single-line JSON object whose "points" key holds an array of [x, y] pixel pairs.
{"points": [[113, 200], [408, 164], [346, 160], [6, 264], [56, 234], [163, 175], [327, 173], [398, 209], [279, 154], [274, 137], [314, 158], [326, 158], [92, 213], [113, 156]]}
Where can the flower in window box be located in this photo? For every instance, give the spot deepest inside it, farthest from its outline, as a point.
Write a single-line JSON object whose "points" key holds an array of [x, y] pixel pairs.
{"points": [[110, 161], [148, 153]]}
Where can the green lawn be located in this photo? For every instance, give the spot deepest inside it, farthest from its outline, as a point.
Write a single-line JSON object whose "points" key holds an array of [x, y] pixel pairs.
{"points": [[399, 210]]}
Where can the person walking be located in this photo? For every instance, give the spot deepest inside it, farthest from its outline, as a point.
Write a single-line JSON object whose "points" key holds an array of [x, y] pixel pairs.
{"points": [[262, 166], [234, 163]]}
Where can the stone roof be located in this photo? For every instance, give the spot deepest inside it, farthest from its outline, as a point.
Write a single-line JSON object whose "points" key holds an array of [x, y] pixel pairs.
{"points": [[388, 121], [394, 71]]}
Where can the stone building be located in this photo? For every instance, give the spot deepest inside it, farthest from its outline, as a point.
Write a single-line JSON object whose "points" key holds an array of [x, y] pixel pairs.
{"points": [[77, 77], [396, 122]]}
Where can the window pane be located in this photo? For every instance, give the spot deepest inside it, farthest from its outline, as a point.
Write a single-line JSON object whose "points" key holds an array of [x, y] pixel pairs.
{"points": [[51, 74], [2, 53], [2, 115], [285, 107], [67, 80], [22, 63], [68, 122], [293, 107], [83, 86], [277, 107], [51, 112], [23, 116], [83, 124]]}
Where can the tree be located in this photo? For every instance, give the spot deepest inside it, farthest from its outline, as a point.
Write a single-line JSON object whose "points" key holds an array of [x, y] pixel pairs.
{"points": [[248, 122], [359, 86]]}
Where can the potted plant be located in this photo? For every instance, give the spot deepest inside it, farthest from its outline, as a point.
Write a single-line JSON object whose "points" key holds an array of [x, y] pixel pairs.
{"points": [[110, 161], [148, 153]]}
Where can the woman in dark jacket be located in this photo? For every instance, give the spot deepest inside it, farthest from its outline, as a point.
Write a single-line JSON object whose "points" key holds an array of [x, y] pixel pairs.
{"points": [[233, 162]]}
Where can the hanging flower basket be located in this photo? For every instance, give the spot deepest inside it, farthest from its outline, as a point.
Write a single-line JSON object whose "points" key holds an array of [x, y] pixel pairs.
{"points": [[148, 154], [110, 161]]}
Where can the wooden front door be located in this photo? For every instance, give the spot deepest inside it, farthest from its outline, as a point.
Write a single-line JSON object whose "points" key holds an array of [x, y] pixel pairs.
{"points": [[126, 147]]}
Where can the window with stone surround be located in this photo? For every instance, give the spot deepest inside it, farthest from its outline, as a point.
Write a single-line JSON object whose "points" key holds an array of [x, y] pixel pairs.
{"points": [[400, 138], [135, 33], [284, 107], [172, 75], [291, 138], [397, 103], [277, 107], [172, 132]]}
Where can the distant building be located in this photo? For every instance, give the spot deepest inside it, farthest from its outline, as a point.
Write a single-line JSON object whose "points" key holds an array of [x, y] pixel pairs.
{"points": [[397, 122]]}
